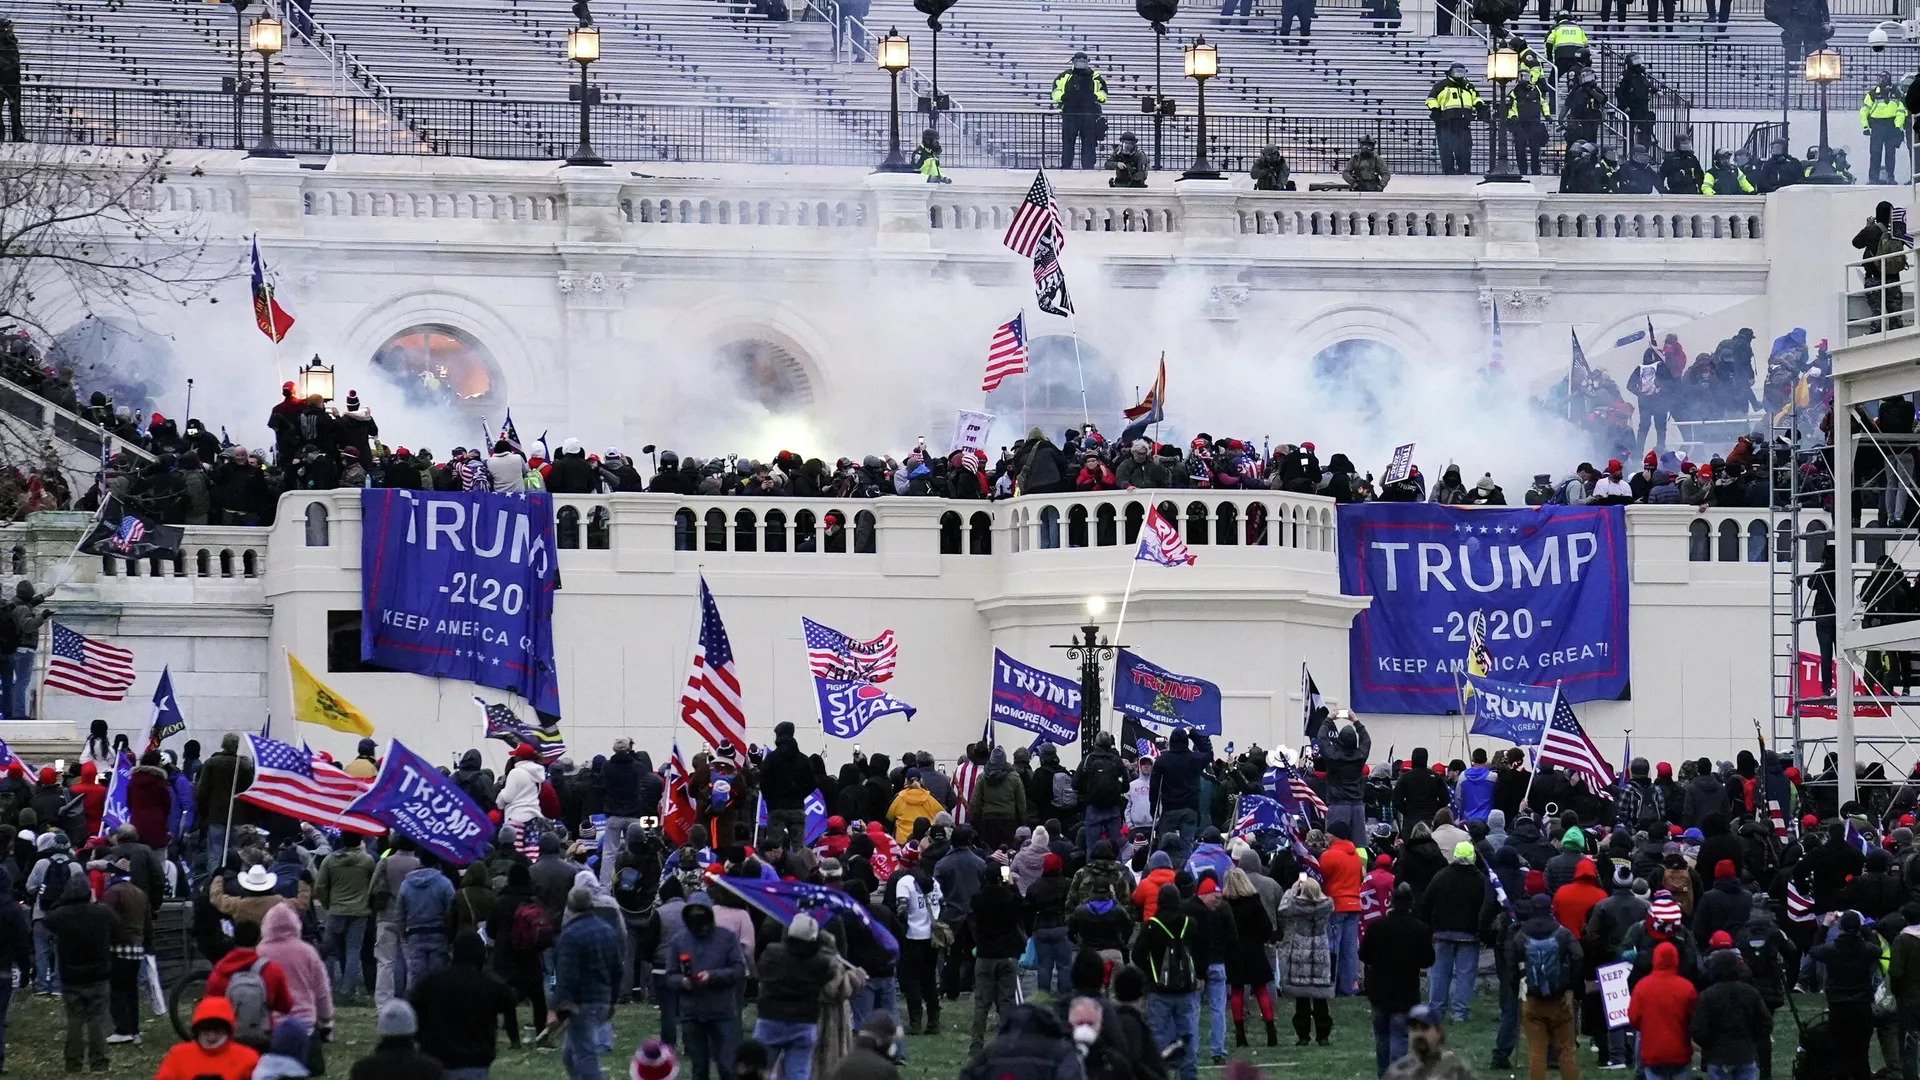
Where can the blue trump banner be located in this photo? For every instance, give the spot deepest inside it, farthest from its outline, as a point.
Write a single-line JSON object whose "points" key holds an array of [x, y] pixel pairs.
{"points": [[1514, 712], [1034, 700], [848, 706], [115, 813], [1550, 583], [459, 585], [1158, 696], [815, 808], [410, 797]]}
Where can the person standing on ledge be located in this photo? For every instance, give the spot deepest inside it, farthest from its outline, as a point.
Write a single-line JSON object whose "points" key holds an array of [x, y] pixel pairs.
{"points": [[1453, 103], [1079, 91]]}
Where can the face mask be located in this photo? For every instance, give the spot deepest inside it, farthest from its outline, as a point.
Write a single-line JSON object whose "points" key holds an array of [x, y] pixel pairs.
{"points": [[1085, 1034]]}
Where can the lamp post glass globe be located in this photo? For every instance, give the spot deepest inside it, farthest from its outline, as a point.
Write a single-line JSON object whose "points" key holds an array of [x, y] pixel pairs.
{"points": [[1503, 65], [893, 53], [1096, 606], [1201, 60], [1823, 66], [267, 36], [316, 378], [583, 44]]}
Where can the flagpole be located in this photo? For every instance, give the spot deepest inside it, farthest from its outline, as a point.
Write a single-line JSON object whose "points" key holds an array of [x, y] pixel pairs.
{"points": [[1073, 326], [1552, 707], [1120, 624]]}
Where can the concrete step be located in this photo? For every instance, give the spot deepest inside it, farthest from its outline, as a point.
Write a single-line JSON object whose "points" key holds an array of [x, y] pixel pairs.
{"points": [[42, 742]]}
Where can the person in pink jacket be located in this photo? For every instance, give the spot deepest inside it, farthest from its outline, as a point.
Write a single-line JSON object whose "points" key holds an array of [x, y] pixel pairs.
{"points": [[305, 971]]}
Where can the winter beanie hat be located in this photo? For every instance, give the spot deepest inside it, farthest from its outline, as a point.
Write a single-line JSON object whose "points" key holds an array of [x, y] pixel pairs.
{"points": [[654, 1060]]}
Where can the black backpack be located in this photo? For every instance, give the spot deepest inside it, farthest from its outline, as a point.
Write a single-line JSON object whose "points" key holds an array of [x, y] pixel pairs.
{"points": [[53, 884], [1106, 782], [1171, 968]]}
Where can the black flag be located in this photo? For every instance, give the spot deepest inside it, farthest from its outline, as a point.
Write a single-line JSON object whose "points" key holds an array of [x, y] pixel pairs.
{"points": [[124, 534], [1313, 707], [1049, 281]]}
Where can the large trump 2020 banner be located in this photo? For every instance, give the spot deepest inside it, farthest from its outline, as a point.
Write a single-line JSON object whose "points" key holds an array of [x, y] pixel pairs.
{"points": [[1549, 583], [459, 585]]}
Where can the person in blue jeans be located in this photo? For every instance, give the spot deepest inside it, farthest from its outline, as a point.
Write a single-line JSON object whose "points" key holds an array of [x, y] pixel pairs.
{"points": [[1397, 948], [586, 979], [1047, 902], [1451, 908], [794, 972], [1169, 951]]}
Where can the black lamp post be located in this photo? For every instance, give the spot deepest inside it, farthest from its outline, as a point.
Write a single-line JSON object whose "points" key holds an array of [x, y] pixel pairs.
{"points": [[268, 37], [1503, 66], [1091, 650], [1823, 67], [583, 48], [1202, 62], [893, 54], [238, 84], [935, 103], [1159, 106]]}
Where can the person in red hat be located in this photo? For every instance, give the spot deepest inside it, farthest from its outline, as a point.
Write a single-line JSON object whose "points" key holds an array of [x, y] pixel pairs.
{"points": [[1726, 906], [1611, 489], [1642, 482]]}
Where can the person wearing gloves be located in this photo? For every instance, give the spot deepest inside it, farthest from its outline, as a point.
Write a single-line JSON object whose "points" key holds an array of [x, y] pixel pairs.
{"points": [[704, 964], [1453, 104]]}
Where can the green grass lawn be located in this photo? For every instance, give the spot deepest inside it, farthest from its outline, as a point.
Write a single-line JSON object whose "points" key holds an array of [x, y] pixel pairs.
{"points": [[36, 1031]]}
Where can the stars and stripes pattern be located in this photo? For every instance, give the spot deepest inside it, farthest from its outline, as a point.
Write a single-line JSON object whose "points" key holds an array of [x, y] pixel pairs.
{"points": [[833, 655], [1160, 542], [80, 665], [711, 705], [1565, 743], [1799, 904], [1037, 215], [1258, 813], [1049, 279], [1007, 352], [294, 781], [1778, 818], [1304, 794], [504, 724]]}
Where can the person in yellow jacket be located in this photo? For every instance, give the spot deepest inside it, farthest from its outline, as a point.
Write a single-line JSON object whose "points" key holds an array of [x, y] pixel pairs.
{"points": [[1725, 178], [1567, 44], [913, 803], [926, 158], [1080, 91], [1883, 120], [1454, 103]]}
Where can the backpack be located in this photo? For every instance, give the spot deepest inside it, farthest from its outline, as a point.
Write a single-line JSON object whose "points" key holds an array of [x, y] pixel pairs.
{"points": [[1680, 883], [630, 891], [1649, 812], [1172, 970], [1544, 974], [53, 885], [1063, 796], [1106, 784], [247, 994], [532, 929]]}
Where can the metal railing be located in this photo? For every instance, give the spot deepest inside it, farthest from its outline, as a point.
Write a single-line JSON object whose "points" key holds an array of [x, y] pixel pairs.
{"points": [[1713, 75], [1875, 301], [623, 131]]}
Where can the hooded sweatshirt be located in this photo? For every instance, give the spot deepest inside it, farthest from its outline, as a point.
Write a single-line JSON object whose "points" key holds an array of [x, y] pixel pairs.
{"points": [[1576, 899], [279, 998], [1475, 793], [230, 1061], [300, 966], [1661, 1010]]}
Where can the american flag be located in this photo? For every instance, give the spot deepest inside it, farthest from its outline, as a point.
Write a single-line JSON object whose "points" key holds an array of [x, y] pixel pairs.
{"points": [[1799, 904], [833, 655], [1037, 215], [504, 724], [1303, 792], [711, 705], [294, 781], [1565, 743], [1049, 280], [967, 776], [128, 534], [1007, 354], [81, 665], [1777, 817]]}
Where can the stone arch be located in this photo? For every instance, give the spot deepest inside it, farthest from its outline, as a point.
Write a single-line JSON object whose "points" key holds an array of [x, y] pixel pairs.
{"points": [[532, 377], [438, 365], [1374, 322], [1049, 395], [780, 324]]}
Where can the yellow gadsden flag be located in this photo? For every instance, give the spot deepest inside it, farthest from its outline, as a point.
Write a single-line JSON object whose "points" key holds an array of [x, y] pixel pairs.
{"points": [[313, 703]]}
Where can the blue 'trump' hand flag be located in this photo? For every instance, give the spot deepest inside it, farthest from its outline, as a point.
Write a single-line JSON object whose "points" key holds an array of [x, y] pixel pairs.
{"points": [[115, 813], [815, 808], [1258, 813], [413, 799], [782, 900]]}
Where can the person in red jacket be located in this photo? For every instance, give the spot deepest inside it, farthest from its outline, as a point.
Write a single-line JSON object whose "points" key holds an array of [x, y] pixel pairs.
{"points": [[1340, 870], [1660, 1010], [1576, 898], [150, 802], [246, 936], [93, 798], [1376, 893]]}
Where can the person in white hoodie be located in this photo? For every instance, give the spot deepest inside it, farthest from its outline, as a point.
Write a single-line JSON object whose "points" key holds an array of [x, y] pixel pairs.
{"points": [[519, 798], [506, 469], [1140, 798]]}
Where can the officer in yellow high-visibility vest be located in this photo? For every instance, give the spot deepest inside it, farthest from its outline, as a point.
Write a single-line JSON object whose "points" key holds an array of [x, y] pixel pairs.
{"points": [[1883, 120], [1567, 44], [1453, 103], [1079, 91]]}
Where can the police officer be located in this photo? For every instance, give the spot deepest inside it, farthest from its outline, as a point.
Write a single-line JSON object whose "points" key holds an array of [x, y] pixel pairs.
{"points": [[1586, 108], [1129, 165], [926, 158], [1634, 94], [1270, 172], [1883, 120], [1079, 91], [1637, 176], [1529, 108], [1580, 173], [1453, 103], [1680, 172], [1366, 170], [1567, 42], [1725, 178], [1781, 169]]}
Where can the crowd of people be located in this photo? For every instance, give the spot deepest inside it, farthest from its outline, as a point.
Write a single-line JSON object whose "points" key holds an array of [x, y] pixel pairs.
{"points": [[1153, 914]]}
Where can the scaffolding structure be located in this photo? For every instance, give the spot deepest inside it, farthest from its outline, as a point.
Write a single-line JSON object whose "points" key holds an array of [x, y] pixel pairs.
{"points": [[1867, 647]]}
